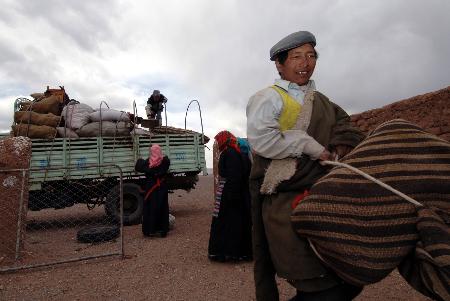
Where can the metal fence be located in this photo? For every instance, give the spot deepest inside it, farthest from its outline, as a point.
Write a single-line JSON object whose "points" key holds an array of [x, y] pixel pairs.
{"points": [[76, 218]]}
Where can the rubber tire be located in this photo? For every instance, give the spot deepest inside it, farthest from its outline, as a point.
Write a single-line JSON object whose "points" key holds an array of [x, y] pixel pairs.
{"points": [[93, 234], [131, 193], [171, 221]]}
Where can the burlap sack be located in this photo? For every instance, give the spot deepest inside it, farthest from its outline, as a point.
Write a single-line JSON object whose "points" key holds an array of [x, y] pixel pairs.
{"points": [[37, 96], [49, 104], [27, 117], [34, 131]]}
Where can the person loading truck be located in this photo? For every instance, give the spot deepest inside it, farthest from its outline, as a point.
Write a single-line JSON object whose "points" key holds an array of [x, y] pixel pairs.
{"points": [[155, 105]]}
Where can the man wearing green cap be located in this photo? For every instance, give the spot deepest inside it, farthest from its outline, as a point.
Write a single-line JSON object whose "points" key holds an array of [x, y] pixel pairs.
{"points": [[291, 127]]}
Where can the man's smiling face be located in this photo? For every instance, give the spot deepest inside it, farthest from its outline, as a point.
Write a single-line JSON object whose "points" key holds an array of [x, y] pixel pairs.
{"points": [[299, 65]]}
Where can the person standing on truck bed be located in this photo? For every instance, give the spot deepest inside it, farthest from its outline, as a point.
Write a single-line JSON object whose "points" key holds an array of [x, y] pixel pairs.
{"points": [[155, 105], [155, 216]]}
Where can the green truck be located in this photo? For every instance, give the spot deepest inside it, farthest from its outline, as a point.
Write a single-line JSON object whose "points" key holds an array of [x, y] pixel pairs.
{"points": [[64, 172]]}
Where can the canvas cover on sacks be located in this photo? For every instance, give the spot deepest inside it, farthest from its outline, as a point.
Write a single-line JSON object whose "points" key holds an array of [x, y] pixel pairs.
{"points": [[364, 231]]}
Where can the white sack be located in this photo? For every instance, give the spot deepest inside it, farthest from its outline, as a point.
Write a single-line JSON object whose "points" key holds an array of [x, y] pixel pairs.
{"points": [[109, 129], [66, 133], [109, 115], [76, 115]]}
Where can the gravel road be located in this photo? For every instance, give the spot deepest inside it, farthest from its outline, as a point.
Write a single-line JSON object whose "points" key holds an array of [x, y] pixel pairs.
{"points": [[171, 268]]}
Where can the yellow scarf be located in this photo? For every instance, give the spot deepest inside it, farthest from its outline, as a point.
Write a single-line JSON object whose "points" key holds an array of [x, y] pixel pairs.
{"points": [[291, 110]]}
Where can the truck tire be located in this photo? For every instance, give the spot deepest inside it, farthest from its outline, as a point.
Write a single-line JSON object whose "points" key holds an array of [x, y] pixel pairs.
{"points": [[133, 204], [98, 233]]}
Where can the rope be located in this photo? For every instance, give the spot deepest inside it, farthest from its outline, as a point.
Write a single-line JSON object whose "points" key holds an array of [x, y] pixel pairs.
{"points": [[116, 132], [369, 177], [68, 152], [51, 150]]}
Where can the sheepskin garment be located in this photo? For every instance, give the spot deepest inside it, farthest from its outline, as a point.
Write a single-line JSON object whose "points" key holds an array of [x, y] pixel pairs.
{"points": [[364, 231]]}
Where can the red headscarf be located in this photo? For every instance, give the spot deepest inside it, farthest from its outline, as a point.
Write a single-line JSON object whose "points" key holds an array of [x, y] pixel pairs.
{"points": [[225, 139], [156, 155]]}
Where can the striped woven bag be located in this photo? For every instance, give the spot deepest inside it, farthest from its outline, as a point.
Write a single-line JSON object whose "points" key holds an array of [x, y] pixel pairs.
{"points": [[364, 231]]}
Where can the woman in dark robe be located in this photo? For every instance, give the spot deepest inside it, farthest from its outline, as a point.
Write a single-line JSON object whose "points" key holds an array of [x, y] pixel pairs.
{"points": [[155, 216], [231, 221]]}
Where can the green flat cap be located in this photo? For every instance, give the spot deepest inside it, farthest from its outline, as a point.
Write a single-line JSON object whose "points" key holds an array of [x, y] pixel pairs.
{"points": [[292, 41]]}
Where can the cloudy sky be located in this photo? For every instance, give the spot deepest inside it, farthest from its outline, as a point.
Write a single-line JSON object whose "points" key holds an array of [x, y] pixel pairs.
{"points": [[372, 53]]}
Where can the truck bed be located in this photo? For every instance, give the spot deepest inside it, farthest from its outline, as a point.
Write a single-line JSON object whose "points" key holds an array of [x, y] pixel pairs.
{"points": [[185, 151]]}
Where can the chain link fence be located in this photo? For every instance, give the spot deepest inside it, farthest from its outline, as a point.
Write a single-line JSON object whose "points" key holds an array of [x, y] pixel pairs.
{"points": [[59, 215]]}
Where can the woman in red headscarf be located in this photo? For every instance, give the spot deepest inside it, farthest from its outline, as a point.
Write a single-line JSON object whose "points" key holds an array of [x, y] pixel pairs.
{"points": [[155, 216], [231, 222]]}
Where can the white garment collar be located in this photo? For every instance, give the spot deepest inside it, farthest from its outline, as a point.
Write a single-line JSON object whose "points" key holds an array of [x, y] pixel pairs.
{"points": [[286, 85]]}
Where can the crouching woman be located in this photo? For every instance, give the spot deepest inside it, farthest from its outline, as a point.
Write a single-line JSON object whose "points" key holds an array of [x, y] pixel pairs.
{"points": [[155, 216]]}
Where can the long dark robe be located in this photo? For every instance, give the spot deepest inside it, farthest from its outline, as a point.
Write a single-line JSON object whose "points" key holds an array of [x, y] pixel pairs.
{"points": [[155, 215], [247, 239], [230, 235]]}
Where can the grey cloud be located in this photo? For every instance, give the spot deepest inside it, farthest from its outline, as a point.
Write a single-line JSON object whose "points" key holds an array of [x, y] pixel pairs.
{"points": [[9, 54], [88, 23]]}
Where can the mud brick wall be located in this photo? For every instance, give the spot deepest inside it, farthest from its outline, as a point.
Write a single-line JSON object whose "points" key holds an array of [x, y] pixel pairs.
{"points": [[430, 111], [15, 153]]}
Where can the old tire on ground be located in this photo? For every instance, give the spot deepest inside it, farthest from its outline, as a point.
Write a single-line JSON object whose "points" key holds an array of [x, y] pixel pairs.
{"points": [[133, 204], [98, 233], [171, 221]]}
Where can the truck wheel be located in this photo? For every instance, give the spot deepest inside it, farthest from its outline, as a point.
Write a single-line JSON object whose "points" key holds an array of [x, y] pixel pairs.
{"points": [[133, 204], [98, 233]]}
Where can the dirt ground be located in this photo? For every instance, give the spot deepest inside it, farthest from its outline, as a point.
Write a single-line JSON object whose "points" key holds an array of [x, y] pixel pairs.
{"points": [[171, 268]]}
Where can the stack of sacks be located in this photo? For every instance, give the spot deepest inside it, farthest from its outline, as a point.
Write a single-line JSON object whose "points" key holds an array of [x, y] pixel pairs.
{"points": [[75, 115], [38, 118], [106, 122], [82, 121]]}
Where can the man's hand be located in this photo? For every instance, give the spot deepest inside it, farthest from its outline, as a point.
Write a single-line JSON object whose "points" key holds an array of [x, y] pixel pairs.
{"points": [[326, 155], [342, 150]]}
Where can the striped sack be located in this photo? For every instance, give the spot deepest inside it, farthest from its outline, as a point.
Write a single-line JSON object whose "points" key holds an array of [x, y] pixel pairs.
{"points": [[364, 231], [427, 269]]}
